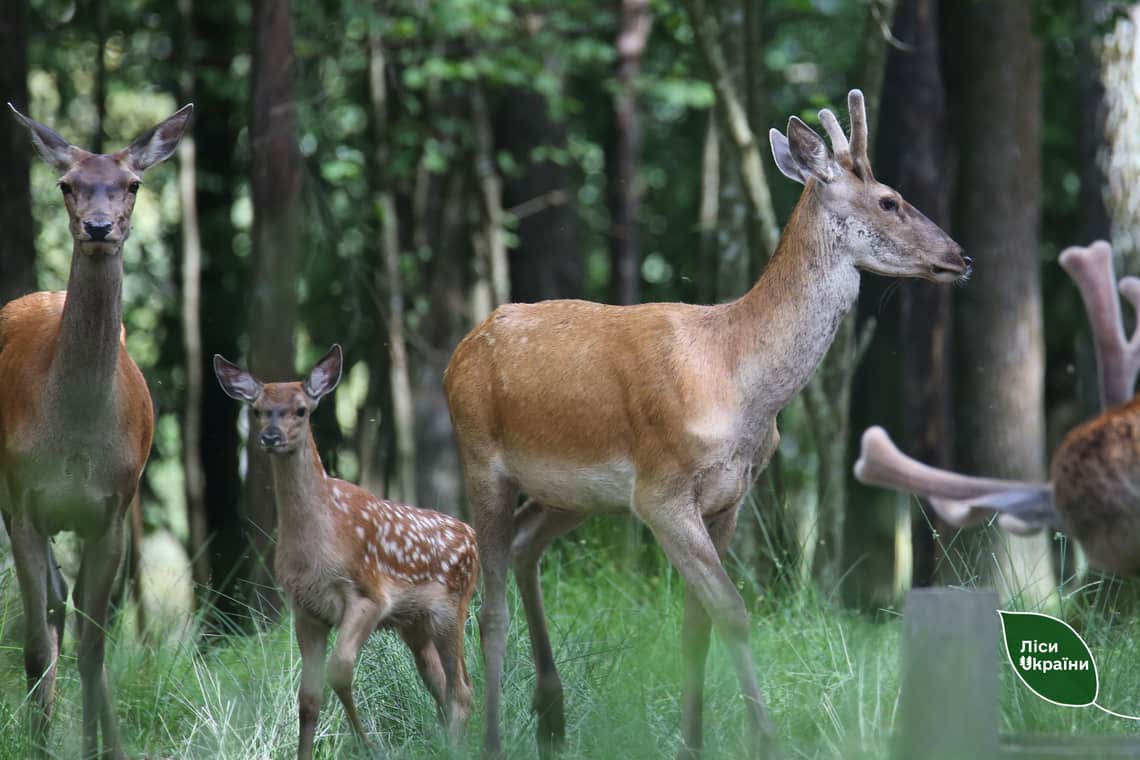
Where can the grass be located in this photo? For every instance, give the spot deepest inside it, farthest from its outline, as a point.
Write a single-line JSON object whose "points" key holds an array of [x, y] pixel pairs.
{"points": [[830, 676]]}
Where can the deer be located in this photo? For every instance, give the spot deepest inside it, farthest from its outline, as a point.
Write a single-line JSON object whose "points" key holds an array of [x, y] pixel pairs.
{"points": [[352, 561], [668, 411], [1094, 474], [76, 421]]}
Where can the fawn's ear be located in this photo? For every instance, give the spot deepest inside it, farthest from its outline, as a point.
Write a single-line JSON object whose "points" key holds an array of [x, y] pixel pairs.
{"points": [[52, 148], [158, 143], [235, 381], [325, 374]]}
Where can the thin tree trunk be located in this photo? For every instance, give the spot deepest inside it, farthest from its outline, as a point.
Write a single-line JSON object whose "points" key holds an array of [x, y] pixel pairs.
{"points": [[735, 118], [191, 305], [401, 485], [709, 211], [276, 176], [223, 277], [17, 245], [994, 78], [491, 245], [623, 184], [99, 12]]}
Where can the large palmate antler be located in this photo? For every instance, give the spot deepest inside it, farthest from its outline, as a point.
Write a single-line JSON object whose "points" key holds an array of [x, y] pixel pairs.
{"points": [[1118, 356], [960, 500]]}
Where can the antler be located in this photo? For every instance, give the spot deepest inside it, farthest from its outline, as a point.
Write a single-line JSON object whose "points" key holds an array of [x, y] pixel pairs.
{"points": [[1117, 357], [853, 154], [960, 500]]}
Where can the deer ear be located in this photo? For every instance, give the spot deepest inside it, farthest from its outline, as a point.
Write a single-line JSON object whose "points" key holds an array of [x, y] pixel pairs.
{"points": [[158, 143], [809, 151], [325, 374], [783, 156], [235, 381], [52, 148]]}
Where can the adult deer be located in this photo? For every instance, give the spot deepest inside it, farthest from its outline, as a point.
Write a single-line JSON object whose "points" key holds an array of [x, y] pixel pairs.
{"points": [[76, 420], [350, 560], [668, 410], [1095, 472]]}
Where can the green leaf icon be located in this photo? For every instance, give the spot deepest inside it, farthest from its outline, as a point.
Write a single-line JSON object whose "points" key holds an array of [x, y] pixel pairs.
{"points": [[1050, 658]]}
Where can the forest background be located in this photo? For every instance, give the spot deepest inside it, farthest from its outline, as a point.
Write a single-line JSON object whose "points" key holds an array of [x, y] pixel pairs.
{"points": [[383, 174]]}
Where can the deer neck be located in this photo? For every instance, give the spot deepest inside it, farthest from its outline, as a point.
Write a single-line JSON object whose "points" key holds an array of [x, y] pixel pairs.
{"points": [[301, 488], [82, 376], [783, 327]]}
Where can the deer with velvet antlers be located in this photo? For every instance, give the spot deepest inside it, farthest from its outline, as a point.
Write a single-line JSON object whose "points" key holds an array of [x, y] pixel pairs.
{"points": [[1095, 471], [76, 421], [668, 411], [352, 561]]}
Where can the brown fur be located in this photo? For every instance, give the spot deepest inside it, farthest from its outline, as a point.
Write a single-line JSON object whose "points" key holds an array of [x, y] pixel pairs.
{"points": [[667, 410], [350, 560], [76, 421]]}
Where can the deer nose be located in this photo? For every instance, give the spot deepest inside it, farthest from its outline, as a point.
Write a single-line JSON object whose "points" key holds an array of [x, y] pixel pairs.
{"points": [[271, 439], [97, 230]]}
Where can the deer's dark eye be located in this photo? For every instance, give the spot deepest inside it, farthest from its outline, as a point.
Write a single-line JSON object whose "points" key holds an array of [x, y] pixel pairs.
{"points": [[133, 188], [301, 411], [888, 204], [65, 188]]}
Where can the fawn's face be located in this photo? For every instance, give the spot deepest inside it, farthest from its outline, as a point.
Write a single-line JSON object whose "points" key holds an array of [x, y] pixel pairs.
{"points": [[99, 190], [281, 411], [281, 417]]}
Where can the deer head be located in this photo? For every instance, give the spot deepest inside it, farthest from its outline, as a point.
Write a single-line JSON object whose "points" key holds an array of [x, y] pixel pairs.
{"points": [[281, 410], [99, 189], [884, 234]]}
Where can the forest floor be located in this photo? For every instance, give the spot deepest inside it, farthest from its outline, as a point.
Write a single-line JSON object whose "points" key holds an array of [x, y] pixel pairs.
{"points": [[831, 678]]}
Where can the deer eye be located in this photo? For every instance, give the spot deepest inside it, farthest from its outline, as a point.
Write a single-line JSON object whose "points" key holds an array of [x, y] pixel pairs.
{"points": [[301, 411], [133, 188], [65, 187], [888, 204]]}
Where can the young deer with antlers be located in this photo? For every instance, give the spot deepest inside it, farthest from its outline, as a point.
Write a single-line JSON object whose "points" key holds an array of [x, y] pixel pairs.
{"points": [[668, 410], [1095, 472], [76, 420], [351, 561]]}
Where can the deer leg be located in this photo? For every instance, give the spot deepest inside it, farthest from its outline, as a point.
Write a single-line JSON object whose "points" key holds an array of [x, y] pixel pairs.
{"points": [[359, 621], [695, 645], [419, 641], [679, 528], [312, 637], [448, 640], [101, 557], [535, 529], [41, 642], [491, 507]]}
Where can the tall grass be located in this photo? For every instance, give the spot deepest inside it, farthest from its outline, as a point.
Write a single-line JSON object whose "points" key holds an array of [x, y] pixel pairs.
{"points": [[830, 676]]}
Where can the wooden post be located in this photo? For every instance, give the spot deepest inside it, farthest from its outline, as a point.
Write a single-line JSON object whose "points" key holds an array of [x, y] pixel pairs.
{"points": [[950, 676]]}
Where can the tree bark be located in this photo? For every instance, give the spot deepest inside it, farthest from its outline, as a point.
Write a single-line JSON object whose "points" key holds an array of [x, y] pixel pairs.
{"points": [[547, 261], [624, 154], [195, 488], [993, 70], [401, 481], [276, 176], [223, 278], [17, 244], [911, 362]]}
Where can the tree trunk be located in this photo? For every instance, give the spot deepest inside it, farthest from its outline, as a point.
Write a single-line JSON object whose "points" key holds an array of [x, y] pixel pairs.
{"points": [[195, 488], [912, 136], [401, 481], [994, 80], [547, 262], [222, 314], [276, 175], [17, 244], [624, 154]]}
